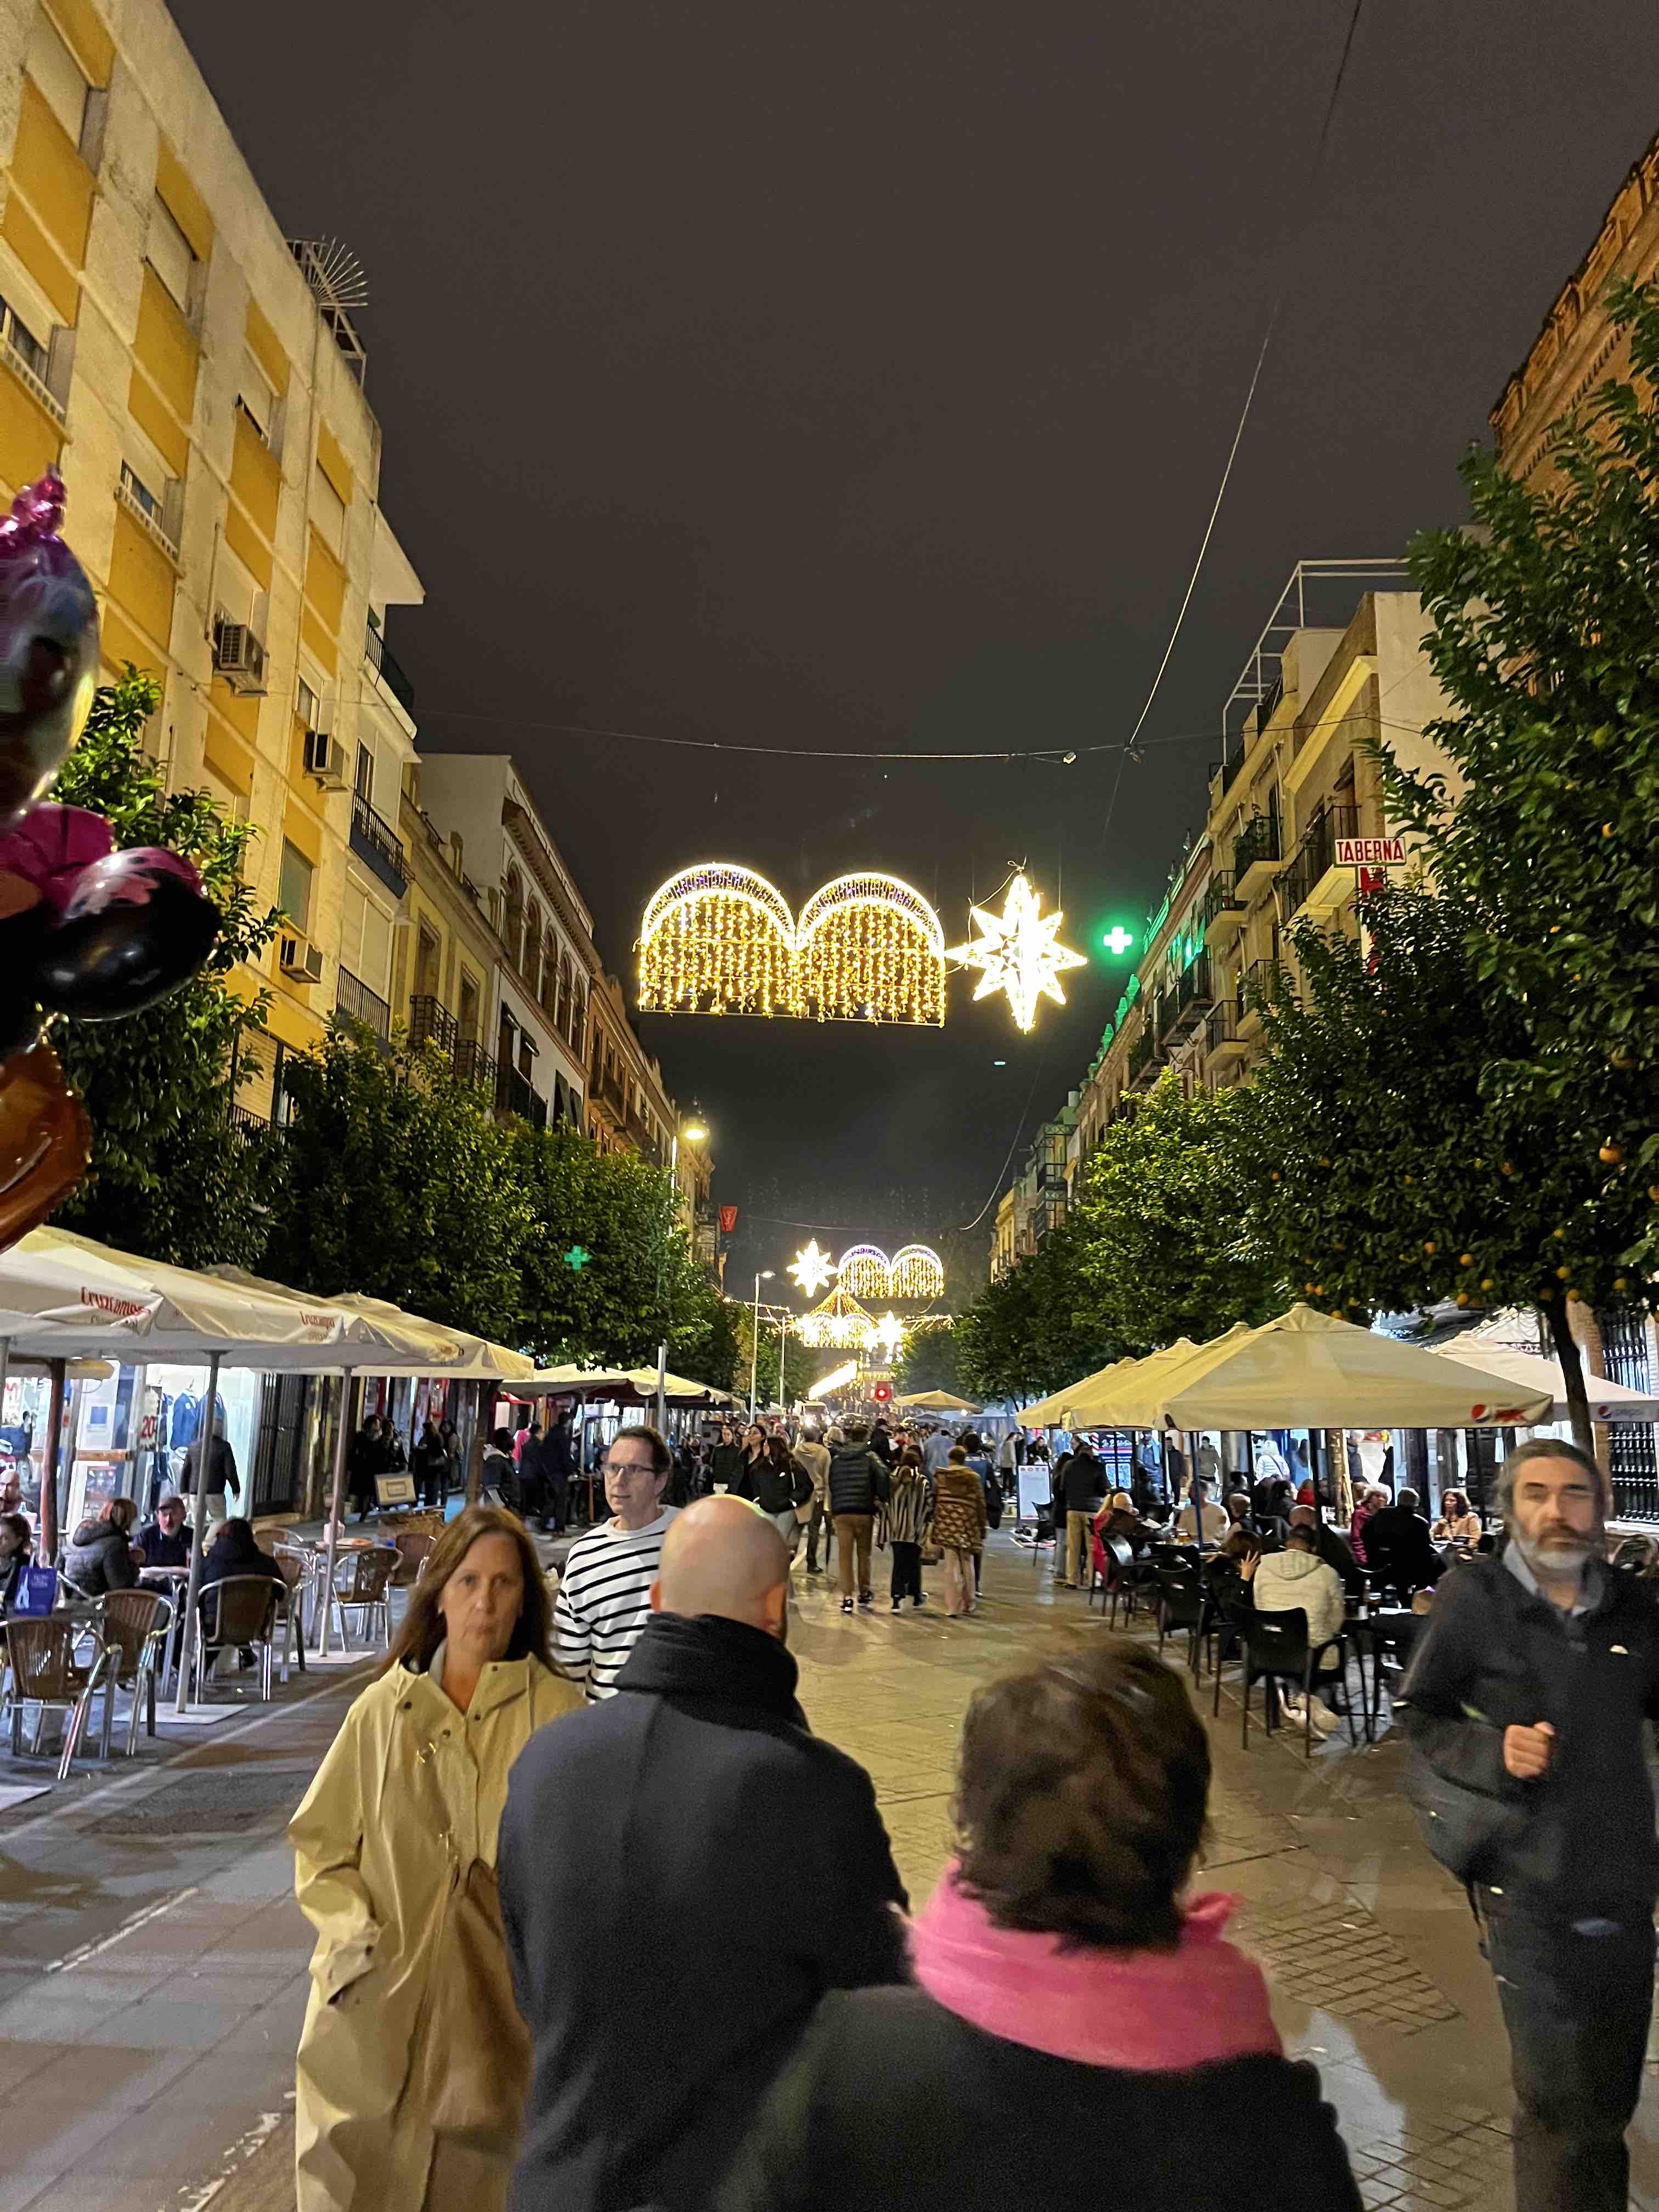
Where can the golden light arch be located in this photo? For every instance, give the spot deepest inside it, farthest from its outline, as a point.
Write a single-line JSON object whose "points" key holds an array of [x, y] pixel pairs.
{"points": [[719, 938]]}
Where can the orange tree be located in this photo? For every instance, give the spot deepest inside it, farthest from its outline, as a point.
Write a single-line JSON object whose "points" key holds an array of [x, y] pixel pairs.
{"points": [[1544, 638], [1390, 1164]]}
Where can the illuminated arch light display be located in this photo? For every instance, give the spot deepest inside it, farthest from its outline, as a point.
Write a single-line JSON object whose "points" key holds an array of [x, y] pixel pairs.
{"points": [[719, 940], [916, 1271], [840, 1323]]}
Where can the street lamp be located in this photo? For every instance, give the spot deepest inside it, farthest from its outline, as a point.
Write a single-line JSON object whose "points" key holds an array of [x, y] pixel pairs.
{"points": [[762, 1275], [694, 1134]]}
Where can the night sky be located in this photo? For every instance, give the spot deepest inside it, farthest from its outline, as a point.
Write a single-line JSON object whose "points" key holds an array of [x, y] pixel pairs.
{"points": [[860, 376]]}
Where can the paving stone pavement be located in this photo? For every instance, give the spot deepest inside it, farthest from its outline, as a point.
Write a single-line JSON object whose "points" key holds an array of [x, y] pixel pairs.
{"points": [[152, 1961]]}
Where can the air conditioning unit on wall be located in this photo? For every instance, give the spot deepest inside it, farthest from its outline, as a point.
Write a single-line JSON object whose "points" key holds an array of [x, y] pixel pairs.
{"points": [[325, 760], [298, 958], [239, 657]]}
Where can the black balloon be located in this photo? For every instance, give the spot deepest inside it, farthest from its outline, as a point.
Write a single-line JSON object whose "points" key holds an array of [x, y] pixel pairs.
{"points": [[119, 959]]}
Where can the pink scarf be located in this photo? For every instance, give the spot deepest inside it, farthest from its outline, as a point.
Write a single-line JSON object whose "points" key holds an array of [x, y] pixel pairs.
{"points": [[1148, 2012]]}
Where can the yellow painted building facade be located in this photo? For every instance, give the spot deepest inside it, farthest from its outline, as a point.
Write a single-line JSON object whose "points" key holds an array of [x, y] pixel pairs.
{"points": [[160, 341]]}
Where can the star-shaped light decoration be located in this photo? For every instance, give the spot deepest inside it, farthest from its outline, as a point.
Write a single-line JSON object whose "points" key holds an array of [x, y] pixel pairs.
{"points": [[812, 1270], [890, 1335], [577, 1258], [1019, 952]]}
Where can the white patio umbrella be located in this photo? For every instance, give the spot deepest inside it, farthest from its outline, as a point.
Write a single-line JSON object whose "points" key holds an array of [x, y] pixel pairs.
{"points": [[382, 1339], [1525, 1371], [1321, 1373], [934, 1401], [62, 1295]]}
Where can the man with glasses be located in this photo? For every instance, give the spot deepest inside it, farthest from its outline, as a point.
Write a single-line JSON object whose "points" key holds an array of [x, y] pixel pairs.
{"points": [[1525, 1705], [605, 1595]]}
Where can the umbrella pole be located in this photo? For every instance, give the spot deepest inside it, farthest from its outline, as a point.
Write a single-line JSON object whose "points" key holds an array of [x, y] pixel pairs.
{"points": [[340, 1443], [1312, 1469], [1193, 1489], [198, 1515], [58, 1368]]}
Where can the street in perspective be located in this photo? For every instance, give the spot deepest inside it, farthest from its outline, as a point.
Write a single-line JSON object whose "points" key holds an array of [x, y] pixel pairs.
{"points": [[829, 1111]]}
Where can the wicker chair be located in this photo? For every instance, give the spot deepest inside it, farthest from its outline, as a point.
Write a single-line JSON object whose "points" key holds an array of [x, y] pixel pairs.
{"points": [[134, 1624], [240, 1611], [362, 1584], [42, 1671]]}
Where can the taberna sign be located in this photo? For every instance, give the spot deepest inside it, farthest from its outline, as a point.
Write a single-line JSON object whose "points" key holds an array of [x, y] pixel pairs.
{"points": [[1370, 853]]}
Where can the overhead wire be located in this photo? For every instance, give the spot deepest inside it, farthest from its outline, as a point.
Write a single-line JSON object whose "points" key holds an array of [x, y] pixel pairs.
{"points": [[1273, 312]]}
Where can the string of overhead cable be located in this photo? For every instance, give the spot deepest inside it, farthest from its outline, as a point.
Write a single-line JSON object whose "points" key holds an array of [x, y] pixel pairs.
{"points": [[1054, 755], [1273, 312], [1126, 749]]}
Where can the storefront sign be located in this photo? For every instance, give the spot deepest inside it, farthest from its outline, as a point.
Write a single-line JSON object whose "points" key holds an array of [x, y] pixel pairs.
{"points": [[1371, 852], [728, 1219]]}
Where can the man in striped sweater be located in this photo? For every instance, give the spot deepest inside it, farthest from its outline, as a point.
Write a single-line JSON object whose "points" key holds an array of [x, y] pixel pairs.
{"points": [[604, 1593]]}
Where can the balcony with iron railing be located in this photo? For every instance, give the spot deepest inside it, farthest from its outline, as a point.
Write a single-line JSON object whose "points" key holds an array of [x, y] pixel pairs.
{"points": [[515, 1094], [1314, 858], [474, 1065], [381, 658], [1189, 1000], [1260, 982], [353, 999], [1145, 1056], [1221, 1038], [430, 1022], [1256, 855], [1223, 912], [378, 845]]}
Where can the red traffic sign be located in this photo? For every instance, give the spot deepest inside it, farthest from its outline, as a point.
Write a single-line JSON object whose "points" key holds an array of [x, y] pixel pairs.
{"points": [[1370, 853], [881, 1392]]}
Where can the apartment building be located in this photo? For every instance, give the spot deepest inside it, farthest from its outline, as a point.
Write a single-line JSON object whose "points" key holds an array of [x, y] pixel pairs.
{"points": [[1298, 771], [628, 1106], [196, 378], [534, 1007], [1574, 350]]}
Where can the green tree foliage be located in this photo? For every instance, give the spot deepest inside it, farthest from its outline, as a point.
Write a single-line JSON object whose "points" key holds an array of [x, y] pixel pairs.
{"points": [[607, 1273], [931, 1360], [1546, 640], [1036, 1328], [1159, 1221], [403, 1183], [171, 1177], [1386, 1170], [400, 1184]]}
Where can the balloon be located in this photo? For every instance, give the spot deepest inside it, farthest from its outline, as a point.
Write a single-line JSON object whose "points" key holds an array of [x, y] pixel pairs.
{"points": [[48, 646], [46, 1141], [135, 927]]}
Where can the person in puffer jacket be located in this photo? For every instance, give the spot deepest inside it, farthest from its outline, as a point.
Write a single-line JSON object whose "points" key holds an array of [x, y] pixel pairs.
{"points": [[857, 1484], [100, 1556], [1296, 1580], [906, 1518]]}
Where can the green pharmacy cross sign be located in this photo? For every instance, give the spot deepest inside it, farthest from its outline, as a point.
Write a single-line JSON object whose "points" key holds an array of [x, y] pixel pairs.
{"points": [[577, 1258], [1117, 940]]}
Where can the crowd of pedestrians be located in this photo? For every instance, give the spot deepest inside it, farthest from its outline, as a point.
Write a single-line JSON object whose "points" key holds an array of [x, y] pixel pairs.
{"points": [[602, 1925]]}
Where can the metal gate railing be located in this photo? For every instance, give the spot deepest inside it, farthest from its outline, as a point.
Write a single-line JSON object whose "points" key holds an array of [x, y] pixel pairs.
{"points": [[1632, 1458]]}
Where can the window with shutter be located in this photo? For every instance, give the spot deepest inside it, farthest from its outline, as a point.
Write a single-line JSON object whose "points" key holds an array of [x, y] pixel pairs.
{"points": [[169, 253]]}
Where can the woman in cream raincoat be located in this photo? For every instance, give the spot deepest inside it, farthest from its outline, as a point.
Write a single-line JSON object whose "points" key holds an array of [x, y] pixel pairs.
{"points": [[413, 2063]]}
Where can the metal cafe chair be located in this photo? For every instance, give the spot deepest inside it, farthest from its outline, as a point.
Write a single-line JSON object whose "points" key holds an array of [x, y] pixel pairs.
{"points": [[240, 1611], [362, 1585], [296, 1569], [413, 1546], [42, 1672], [134, 1625]]}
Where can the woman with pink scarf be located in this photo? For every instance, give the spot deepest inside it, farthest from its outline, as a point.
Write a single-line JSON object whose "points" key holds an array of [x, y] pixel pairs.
{"points": [[1081, 2036]]}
